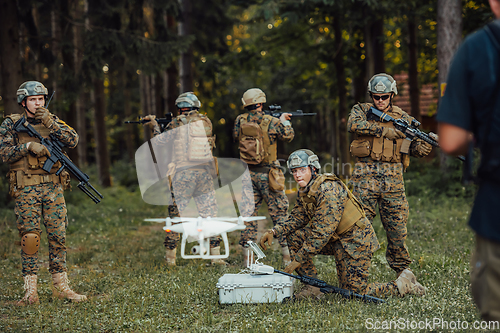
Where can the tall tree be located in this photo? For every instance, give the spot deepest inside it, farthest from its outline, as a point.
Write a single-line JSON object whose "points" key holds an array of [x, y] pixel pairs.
{"points": [[186, 57], [449, 36], [9, 55]]}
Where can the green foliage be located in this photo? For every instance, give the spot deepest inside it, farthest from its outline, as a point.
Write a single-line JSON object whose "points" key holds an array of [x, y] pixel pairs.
{"points": [[426, 179], [117, 260]]}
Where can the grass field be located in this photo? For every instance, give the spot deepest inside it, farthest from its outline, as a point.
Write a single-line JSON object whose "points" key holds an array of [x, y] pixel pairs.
{"points": [[116, 259]]}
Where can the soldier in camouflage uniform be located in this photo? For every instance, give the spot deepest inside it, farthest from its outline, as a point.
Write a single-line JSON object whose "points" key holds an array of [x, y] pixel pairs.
{"points": [[271, 129], [190, 179], [327, 219], [37, 193], [383, 155]]}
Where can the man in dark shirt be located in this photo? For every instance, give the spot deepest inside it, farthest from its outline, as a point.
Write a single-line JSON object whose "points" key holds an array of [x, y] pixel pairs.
{"points": [[470, 109]]}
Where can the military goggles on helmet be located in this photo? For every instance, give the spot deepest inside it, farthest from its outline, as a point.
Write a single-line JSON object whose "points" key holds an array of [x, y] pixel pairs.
{"points": [[383, 97]]}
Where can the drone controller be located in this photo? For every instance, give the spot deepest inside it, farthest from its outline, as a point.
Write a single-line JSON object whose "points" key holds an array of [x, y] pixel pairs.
{"points": [[257, 267]]}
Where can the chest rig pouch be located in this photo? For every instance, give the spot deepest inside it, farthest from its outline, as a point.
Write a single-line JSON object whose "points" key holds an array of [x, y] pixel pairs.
{"points": [[353, 210], [382, 149]]}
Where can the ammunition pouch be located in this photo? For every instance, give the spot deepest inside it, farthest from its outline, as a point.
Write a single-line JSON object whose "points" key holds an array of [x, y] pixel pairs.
{"points": [[20, 179], [360, 148], [276, 179]]}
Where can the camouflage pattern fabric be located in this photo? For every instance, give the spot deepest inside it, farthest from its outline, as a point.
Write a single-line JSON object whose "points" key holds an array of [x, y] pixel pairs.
{"points": [[308, 236], [377, 184], [37, 201], [11, 150], [33, 203], [277, 202], [381, 183], [196, 184], [359, 124]]}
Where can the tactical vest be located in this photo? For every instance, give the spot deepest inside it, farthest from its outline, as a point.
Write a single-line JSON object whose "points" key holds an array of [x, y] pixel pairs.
{"points": [[31, 164], [28, 170], [353, 210], [382, 149], [194, 143], [270, 150]]}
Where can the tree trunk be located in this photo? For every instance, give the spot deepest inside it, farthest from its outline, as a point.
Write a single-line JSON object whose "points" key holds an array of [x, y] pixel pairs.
{"points": [[145, 89], [449, 36], [186, 58], [102, 155], [10, 65], [412, 68], [172, 78], [341, 91]]}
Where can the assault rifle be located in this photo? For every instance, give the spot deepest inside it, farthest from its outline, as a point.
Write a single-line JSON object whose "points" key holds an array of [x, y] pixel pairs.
{"points": [[275, 111], [409, 130], [162, 122], [54, 146], [328, 289]]}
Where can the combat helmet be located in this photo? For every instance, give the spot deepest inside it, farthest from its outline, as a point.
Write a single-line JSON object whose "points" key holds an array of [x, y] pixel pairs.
{"points": [[31, 88], [382, 83], [302, 158], [253, 96], [188, 100]]}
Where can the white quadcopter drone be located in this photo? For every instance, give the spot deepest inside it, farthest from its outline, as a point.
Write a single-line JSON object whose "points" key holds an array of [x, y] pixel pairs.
{"points": [[201, 229]]}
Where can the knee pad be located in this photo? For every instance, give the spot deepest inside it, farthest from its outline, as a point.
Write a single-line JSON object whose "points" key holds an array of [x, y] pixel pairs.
{"points": [[30, 242]]}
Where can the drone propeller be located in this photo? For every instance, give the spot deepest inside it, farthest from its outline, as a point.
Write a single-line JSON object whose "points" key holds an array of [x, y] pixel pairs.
{"points": [[163, 220], [246, 219]]}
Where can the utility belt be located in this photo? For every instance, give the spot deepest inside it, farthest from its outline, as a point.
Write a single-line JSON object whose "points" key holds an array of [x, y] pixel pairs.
{"points": [[259, 168], [19, 179]]}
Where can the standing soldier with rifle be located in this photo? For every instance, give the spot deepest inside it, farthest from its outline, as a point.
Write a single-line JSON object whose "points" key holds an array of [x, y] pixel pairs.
{"points": [[38, 193], [192, 175], [383, 155], [327, 219], [257, 134]]}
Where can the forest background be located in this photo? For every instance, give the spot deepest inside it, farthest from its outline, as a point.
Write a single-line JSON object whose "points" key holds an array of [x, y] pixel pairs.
{"points": [[114, 60]]}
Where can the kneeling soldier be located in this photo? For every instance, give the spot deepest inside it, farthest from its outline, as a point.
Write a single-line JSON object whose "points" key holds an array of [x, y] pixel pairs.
{"points": [[327, 219]]}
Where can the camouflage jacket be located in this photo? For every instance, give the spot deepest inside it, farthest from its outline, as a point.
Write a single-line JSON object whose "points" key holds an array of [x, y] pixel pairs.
{"points": [[276, 129], [330, 201], [11, 150], [359, 125]]}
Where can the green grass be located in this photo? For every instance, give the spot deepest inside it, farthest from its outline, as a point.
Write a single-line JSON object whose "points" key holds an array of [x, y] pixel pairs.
{"points": [[116, 259]]}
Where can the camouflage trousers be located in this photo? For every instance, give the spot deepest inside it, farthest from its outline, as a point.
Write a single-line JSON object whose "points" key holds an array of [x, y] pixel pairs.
{"points": [[277, 204], [198, 185], [393, 208], [352, 254], [33, 203]]}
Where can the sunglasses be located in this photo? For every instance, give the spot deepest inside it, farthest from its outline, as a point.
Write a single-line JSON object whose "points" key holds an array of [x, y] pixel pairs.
{"points": [[383, 97]]}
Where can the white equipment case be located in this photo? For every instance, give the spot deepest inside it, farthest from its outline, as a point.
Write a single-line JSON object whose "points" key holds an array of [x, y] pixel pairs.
{"points": [[254, 288]]}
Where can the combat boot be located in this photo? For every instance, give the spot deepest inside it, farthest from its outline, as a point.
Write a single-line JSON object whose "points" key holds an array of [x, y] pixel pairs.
{"points": [[170, 256], [309, 292], [286, 256], [31, 296], [407, 284], [61, 288], [215, 251]]}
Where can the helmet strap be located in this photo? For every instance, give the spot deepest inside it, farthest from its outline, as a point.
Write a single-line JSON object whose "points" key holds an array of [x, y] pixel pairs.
{"points": [[252, 107]]}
